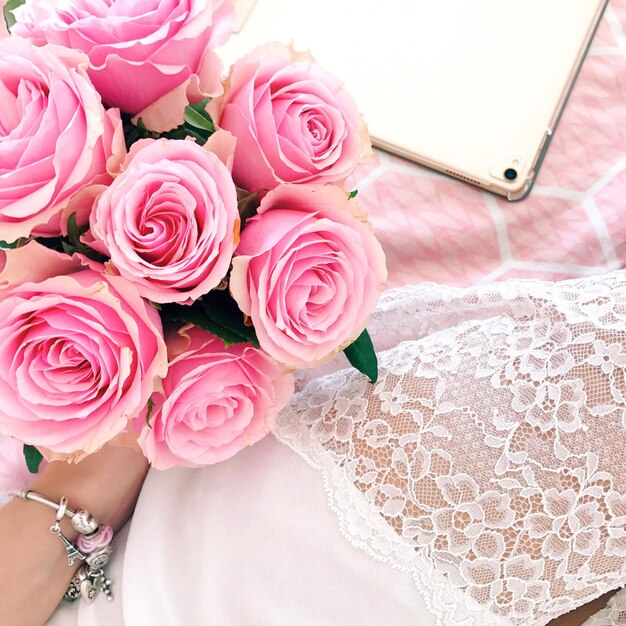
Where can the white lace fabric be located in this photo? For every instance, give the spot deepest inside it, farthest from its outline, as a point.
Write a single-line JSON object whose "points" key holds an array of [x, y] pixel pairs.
{"points": [[490, 457]]}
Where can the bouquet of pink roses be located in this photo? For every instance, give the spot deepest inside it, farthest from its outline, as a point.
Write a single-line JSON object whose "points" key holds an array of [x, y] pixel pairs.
{"points": [[173, 245]]}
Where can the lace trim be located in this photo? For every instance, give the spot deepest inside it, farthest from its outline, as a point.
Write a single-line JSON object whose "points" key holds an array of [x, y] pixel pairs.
{"points": [[373, 535], [527, 379]]}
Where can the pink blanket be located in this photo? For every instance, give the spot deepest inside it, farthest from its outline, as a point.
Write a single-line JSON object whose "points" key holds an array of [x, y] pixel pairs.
{"points": [[573, 223]]}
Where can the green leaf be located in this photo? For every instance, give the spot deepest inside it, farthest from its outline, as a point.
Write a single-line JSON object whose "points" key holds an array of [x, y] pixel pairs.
{"points": [[182, 132], [135, 132], [54, 243], [197, 120], [68, 248], [149, 411], [353, 194], [76, 245], [362, 356], [195, 315], [197, 124], [73, 232], [220, 307], [200, 107], [33, 458], [9, 246], [9, 7], [217, 313]]}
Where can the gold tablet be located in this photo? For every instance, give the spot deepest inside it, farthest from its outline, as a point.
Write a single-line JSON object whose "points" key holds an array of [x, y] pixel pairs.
{"points": [[473, 89]]}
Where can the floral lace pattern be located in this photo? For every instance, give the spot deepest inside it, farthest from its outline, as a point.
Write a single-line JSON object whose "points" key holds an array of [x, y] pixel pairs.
{"points": [[489, 458]]}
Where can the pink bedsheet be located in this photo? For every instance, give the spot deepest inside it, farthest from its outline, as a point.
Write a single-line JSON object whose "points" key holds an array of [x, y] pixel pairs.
{"points": [[573, 223]]}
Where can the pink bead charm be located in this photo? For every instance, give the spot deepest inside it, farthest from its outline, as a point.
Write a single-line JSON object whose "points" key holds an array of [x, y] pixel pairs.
{"points": [[101, 540]]}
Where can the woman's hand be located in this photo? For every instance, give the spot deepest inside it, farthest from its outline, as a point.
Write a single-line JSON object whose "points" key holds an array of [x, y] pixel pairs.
{"points": [[34, 573]]}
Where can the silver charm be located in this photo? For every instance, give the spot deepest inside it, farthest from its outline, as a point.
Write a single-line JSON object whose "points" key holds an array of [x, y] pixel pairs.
{"points": [[84, 523], [97, 560], [89, 588], [106, 589], [87, 583], [89, 579], [72, 594], [73, 591], [73, 552]]}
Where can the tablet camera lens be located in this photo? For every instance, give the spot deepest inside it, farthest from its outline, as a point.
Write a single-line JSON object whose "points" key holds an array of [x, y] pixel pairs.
{"points": [[510, 174]]}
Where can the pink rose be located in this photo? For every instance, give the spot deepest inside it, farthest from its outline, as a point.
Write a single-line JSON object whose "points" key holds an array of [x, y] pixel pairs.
{"points": [[308, 271], [293, 120], [169, 222], [139, 51], [79, 351], [55, 136], [216, 401]]}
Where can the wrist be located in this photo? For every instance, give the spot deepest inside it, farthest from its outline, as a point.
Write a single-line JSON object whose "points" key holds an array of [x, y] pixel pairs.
{"points": [[107, 483]]}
